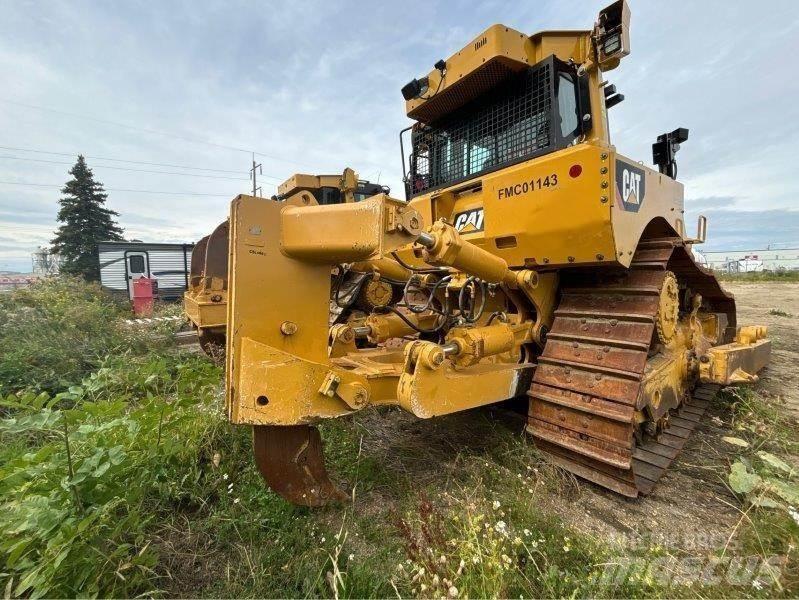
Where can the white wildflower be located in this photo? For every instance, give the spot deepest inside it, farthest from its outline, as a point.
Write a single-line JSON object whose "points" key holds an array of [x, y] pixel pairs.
{"points": [[236, 501], [452, 592], [225, 476], [500, 526], [527, 532], [496, 504], [757, 584], [351, 557]]}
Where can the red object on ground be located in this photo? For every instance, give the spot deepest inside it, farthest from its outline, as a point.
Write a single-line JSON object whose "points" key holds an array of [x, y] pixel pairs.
{"points": [[144, 293]]}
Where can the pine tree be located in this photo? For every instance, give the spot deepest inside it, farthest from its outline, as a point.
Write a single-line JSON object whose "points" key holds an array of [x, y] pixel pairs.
{"points": [[85, 222]]}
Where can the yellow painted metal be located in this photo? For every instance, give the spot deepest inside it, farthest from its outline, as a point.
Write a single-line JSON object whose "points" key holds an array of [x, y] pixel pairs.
{"points": [[739, 361], [377, 293], [342, 233], [450, 249], [541, 290], [275, 374], [385, 267], [486, 60], [536, 215], [670, 374], [383, 327], [274, 378], [294, 186], [280, 376], [205, 300], [476, 343], [429, 387], [205, 313]]}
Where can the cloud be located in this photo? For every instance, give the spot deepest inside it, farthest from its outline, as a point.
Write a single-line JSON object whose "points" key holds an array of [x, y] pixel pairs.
{"points": [[697, 204], [325, 95]]}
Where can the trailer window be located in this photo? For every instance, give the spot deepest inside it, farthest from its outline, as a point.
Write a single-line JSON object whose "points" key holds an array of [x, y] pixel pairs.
{"points": [[136, 264]]}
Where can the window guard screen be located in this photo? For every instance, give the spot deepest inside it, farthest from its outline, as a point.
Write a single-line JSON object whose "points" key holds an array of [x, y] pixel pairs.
{"points": [[513, 122]]}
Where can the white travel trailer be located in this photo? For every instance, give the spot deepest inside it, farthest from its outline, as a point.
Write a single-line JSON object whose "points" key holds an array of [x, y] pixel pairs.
{"points": [[123, 262]]}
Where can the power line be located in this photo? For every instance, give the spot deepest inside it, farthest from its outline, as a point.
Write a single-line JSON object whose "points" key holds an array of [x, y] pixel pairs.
{"points": [[146, 130], [125, 125], [122, 160], [58, 162], [54, 185]]}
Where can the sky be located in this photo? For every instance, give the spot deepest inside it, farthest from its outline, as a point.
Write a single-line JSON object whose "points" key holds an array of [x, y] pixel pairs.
{"points": [[314, 86]]}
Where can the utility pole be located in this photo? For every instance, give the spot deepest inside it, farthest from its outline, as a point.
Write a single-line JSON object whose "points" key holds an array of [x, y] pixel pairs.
{"points": [[255, 187]]}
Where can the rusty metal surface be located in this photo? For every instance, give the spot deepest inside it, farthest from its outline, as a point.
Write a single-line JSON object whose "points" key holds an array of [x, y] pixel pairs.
{"points": [[216, 253], [291, 461], [590, 374]]}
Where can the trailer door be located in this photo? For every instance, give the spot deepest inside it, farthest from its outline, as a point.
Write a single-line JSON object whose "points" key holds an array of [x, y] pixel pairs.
{"points": [[136, 266]]}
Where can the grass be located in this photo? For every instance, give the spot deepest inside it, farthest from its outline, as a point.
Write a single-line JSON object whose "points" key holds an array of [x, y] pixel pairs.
{"points": [[765, 475], [120, 476], [777, 312], [756, 277]]}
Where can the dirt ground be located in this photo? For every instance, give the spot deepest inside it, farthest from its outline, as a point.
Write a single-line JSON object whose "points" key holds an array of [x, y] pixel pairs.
{"points": [[755, 302]]}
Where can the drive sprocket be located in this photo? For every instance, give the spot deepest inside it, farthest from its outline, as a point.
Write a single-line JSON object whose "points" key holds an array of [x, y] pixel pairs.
{"points": [[668, 312]]}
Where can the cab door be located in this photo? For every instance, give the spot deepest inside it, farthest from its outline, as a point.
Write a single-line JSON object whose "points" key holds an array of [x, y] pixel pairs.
{"points": [[137, 265]]}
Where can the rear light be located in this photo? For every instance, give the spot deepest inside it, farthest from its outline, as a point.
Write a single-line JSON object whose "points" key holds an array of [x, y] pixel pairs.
{"points": [[575, 171]]}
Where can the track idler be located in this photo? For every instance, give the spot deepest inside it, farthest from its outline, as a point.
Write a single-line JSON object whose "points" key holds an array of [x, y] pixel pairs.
{"points": [[291, 461]]}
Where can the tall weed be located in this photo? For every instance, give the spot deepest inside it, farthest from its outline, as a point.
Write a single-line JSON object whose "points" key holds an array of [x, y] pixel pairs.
{"points": [[103, 434], [54, 333]]}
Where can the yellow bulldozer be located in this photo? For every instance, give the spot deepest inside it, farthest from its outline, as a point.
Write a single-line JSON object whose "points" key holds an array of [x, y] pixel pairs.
{"points": [[205, 300], [531, 259]]}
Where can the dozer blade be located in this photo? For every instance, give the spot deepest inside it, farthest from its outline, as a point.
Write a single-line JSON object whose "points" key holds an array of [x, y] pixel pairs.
{"points": [[291, 460]]}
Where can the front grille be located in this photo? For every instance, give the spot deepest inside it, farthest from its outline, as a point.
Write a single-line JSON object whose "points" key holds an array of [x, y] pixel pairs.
{"points": [[509, 124]]}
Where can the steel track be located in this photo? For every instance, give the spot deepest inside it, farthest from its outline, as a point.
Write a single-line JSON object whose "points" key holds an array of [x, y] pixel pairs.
{"points": [[586, 389]]}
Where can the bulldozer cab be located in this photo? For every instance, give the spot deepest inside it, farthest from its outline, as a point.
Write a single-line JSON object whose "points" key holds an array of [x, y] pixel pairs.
{"points": [[506, 98], [533, 112]]}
